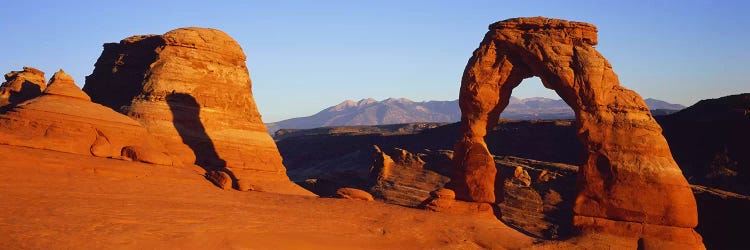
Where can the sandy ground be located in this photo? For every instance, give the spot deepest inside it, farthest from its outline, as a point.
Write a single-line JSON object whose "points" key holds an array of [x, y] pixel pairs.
{"points": [[53, 200]]}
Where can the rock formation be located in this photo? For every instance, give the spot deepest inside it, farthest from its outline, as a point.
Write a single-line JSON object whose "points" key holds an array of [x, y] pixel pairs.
{"points": [[64, 119], [405, 178], [538, 196], [440, 200], [629, 185], [20, 86], [190, 88]]}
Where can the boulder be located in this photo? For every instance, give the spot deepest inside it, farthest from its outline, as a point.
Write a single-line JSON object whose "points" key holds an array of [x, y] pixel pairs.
{"points": [[20, 86], [521, 176], [629, 184], [353, 194], [191, 89], [63, 119], [440, 200]]}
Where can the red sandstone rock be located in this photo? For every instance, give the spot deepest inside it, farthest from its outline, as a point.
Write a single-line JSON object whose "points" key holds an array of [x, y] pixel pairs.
{"points": [[220, 179], [381, 167], [353, 194], [138, 153], [628, 176], [20, 86], [405, 178], [63, 119], [522, 176], [441, 200], [191, 89]]}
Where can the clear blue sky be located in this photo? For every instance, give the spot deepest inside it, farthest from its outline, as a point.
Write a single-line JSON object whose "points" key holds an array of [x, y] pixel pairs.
{"points": [[306, 55]]}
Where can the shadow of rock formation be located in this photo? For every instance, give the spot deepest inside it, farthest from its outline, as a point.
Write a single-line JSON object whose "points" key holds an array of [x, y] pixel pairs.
{"points": [[186, 119]]}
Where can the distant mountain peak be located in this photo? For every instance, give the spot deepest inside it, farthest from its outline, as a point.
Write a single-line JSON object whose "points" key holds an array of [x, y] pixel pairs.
{"points": [[343, 105], [659, 104], [397, 100], [366, 101], [401, 110]]}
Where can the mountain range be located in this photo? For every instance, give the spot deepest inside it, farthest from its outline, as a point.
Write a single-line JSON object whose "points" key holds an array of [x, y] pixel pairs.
{"points": [[401, 110]]}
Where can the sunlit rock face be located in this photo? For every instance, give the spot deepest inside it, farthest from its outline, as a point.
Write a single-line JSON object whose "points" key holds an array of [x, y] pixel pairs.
{"points": [[191, 88], [629, 185], [64, 119], [20, 86]]}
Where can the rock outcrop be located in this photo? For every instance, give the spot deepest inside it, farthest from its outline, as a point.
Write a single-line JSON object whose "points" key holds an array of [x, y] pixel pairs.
{"points": [[20, 86], [64, 119], [191, 89], [405, 178], [629, 184], [538, 196]]}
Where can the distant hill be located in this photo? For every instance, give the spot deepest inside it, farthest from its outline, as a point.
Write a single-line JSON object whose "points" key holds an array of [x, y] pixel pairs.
{"points": [[400, 110], [711, 140], [659, 104]]}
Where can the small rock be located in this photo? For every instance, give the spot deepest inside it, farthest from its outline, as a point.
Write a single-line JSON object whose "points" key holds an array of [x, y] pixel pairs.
{"points": [[443, 193], [544, 176], [441, 200], [522, 177], [245, 185], [353, 194]]}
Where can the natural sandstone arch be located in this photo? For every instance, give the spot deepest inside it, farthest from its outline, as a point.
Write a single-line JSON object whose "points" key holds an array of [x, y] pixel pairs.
{"points": [[629, 184]]}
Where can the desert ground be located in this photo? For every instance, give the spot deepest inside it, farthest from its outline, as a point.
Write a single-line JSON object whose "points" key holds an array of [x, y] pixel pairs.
{"points": [[54, 200]]}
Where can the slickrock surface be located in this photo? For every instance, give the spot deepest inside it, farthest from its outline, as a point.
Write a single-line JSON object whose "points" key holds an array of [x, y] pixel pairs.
{"points": [[354, 194], [99, 203], [64, 119], [191, 89], [630, 186], [20, 86]]}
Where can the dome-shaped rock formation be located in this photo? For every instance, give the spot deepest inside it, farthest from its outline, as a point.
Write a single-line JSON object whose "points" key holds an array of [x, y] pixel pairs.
{"points": [[191, 88], [64, 119], [629, 185], [20, 86]]}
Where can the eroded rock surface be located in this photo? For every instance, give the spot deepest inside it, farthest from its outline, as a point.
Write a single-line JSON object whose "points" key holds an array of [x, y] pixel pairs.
{"points": [[190, 88], [405, 178], [64, 119], [538, 196], [354, 194], [20, 86], [629, 184]]}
